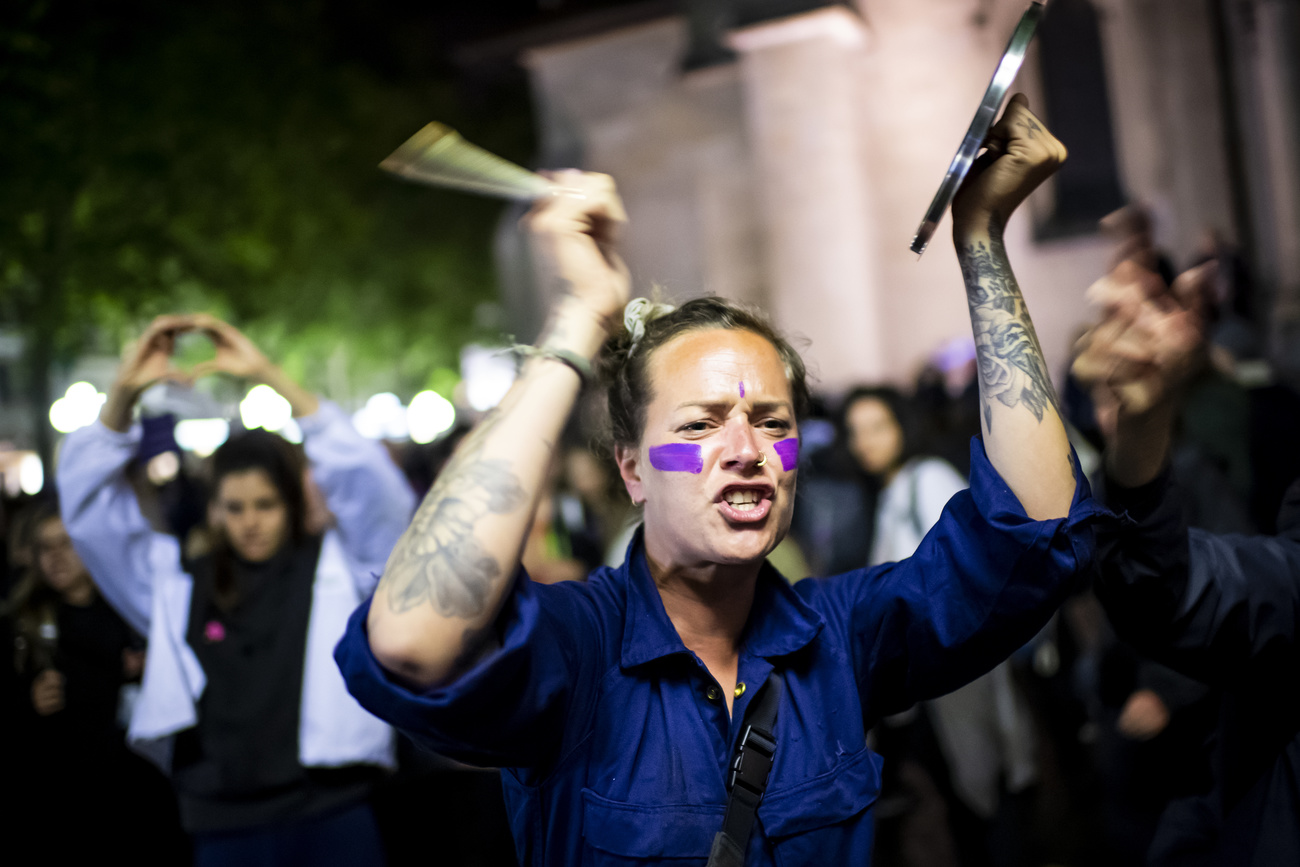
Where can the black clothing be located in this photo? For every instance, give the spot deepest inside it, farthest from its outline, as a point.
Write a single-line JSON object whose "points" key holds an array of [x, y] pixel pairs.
{"points": [[834, 512], [252, 653], [72, 767], [1275, 460], [1224, 609], [91, 643], [1140, 777], [84, 643]]}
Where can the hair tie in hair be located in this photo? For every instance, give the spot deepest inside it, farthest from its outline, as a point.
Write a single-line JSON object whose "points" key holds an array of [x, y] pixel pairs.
{"points": [[637, 313]]}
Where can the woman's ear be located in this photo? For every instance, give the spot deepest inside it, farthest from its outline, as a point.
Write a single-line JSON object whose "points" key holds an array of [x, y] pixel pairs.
{"points": [[629, 468]]}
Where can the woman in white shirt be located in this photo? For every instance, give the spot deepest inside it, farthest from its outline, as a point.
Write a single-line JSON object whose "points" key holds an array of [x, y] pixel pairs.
{"points": [[882, 437], [984, 729]]}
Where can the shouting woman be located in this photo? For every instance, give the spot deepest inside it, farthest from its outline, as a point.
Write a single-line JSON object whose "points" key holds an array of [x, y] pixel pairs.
{"points": [[625, 708]]}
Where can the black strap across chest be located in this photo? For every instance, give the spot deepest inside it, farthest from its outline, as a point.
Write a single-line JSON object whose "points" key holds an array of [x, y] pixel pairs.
{"points": [[748, 776]]}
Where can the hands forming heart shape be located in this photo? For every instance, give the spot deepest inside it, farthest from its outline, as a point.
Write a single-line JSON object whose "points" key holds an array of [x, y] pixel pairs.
{"points": [[150, 359]]}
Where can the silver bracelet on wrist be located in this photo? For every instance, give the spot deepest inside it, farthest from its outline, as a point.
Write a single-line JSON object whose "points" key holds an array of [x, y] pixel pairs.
{"points": [[572, 360]]}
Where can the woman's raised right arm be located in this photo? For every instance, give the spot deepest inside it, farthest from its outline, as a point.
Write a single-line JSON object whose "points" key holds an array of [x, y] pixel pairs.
{"points": [[115, 541], [453, 568], [121, 550]]}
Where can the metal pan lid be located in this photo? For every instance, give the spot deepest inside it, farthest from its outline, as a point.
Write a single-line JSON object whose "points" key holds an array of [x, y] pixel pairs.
{"points": [[1003, 76]]}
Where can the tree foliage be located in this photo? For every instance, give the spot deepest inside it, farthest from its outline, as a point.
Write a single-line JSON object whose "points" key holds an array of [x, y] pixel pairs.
{"points": [[222, 156]]}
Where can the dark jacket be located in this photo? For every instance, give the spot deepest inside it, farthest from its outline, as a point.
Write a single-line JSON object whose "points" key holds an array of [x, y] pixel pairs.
{"points": [[1224, 609]]}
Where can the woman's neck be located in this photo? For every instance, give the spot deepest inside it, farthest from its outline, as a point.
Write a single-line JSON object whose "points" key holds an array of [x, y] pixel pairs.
{"points": [[708, 605], [890, 474]]}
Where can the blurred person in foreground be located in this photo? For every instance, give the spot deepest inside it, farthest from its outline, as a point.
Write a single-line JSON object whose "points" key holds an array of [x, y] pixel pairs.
{"points": [[73, 658], [1150, 717], [1223, 608], [616, 705], [271, 758]]}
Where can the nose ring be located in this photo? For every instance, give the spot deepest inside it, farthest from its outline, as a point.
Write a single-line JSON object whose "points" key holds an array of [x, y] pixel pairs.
{"points": [[762, 459]]}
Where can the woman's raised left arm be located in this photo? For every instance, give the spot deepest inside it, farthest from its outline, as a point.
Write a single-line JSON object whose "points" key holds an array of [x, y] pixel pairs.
{"points": [[1023, 433]]}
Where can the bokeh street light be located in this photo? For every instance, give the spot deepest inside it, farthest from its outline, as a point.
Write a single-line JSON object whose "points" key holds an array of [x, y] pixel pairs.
{"points": [[78, 407], [201, 436], [383, 417], [429, 416]]}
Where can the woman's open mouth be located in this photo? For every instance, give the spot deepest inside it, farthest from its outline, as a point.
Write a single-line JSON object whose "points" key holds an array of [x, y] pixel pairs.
{"points": [[745, 503]]}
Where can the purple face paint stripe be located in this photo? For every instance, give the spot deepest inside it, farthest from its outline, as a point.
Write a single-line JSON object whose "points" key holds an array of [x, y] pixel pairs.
{"points": [[677, 458], [788, 451], [742, 389]]}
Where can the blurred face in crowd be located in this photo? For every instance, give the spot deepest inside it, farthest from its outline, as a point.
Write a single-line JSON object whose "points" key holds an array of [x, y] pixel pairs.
{"points": [[720, 401], [586, 474], [875, 436], [254, 515], [58, 560]]}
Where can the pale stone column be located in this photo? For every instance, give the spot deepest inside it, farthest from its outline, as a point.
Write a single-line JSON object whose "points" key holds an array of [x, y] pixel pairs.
{"points": [[1277, 93], [803, 94], [1166, 97]]}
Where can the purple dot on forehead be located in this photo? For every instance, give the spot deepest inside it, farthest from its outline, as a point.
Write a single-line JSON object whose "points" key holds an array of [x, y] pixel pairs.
{"points": [[788, 451], [677, 458], [742, 388]]}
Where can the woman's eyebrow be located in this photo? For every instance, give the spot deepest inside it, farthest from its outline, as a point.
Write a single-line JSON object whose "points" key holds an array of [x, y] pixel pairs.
{"points": [[725, 405]]}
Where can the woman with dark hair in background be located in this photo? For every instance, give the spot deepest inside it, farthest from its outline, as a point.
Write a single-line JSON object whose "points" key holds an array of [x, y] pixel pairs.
{"points": [[271, 759], [71, 656], [882, 433], [984, 730]]}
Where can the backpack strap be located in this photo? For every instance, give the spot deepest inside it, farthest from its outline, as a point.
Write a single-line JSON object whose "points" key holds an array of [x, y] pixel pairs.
{"points": [[748, 777]]}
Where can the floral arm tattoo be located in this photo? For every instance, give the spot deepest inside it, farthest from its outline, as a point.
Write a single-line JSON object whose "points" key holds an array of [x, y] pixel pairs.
{"points": [[1011, 366], [438, 560]]}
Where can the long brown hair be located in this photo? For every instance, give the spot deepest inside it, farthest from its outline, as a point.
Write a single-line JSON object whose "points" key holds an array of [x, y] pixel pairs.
{"points": [[255, 450]]}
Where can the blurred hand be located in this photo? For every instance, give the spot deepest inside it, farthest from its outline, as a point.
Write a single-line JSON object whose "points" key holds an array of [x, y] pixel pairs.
{"points": [[1143, 717], [1149, 342], [1019, 155], [145, 362], [236, 354], [47, 692], [1130, 228], [132, 663], [149, 359], [574, 235]]}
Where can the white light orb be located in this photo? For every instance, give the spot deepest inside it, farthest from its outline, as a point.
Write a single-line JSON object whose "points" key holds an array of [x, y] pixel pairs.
{"points": [[264, 407], [78, 407], [383, 417], [487, 373], [202, 435], [163, 467], [31, 474], [291, 431], [429, 416]]}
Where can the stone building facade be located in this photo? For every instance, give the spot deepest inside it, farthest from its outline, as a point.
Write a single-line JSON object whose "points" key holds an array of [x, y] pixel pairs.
{"points": [[784, 153]]}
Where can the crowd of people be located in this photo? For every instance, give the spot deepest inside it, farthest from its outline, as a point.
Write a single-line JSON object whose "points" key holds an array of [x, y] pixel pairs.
{"points": [[323, 653]]}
